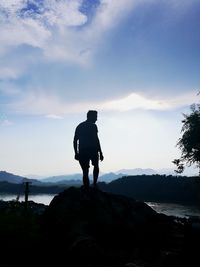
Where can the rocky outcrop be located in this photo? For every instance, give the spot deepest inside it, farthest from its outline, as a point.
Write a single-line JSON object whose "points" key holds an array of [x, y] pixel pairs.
{"points": [[93, 228]]}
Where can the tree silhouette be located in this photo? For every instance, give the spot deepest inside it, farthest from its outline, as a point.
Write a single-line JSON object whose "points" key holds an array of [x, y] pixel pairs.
{"points": [[180, 166], [189, 143]]}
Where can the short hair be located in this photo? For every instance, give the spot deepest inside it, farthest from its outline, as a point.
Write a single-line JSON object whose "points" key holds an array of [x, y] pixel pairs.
{"points": [[91, 114]]}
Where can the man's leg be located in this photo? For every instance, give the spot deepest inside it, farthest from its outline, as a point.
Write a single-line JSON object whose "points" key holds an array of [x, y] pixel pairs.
{"points": [[86, 181], [85, 168], [95, 174], [95, 163]]}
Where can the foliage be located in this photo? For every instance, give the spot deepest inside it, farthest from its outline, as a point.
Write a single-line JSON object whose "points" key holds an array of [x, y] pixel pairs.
{"points": [[189, 143], [180, 166]]}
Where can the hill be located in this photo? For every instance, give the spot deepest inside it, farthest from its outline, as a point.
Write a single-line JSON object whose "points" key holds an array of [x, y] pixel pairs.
{"points": [[137, 171], [71, 179], [62, 178], [103, 177], [94, 228], [16, 179], [158, 188], [18, 189], [11, 178]]}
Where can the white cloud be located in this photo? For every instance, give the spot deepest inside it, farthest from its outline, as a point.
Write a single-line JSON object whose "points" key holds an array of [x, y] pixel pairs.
{"points": [[9, 72], [17, 31], [111, 12], [185, 99], [48, 105], [53, 28], [12, 6], [63, 13], [135, 101], [79, 46], [6, 123], [54, 117], [37, 29]]}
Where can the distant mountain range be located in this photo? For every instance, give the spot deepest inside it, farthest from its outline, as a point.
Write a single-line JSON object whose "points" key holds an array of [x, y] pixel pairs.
{"points": [[64, 179], [106, 177], [153, 187], [70, 179], [16, 179], [137, 171], [76, 179], [163, 171]]}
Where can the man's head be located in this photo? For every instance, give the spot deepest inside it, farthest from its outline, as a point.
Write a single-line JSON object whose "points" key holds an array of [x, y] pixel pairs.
{"points": [[92, 116]]}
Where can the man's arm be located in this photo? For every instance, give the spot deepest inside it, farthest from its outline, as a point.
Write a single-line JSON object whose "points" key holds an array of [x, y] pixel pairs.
{"points": [[75, 144], [99, 149], [99, 145]]}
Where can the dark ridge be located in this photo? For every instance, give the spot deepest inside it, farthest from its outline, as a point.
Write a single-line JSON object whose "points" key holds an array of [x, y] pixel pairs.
{"points": [[158, 188], [92, 228]]}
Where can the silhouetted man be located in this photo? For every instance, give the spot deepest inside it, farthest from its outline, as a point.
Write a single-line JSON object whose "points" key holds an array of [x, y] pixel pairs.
{"points": [[87, 147]]}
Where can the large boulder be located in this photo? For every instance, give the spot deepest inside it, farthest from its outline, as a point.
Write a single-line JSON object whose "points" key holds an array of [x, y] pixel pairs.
{"points": [[98, 228]]}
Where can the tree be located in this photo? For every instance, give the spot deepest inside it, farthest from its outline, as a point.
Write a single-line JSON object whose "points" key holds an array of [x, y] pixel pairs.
{"points": [[179, 165], [189, 143]]}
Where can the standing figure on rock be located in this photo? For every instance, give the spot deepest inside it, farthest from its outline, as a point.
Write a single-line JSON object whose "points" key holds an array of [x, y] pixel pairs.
{"points": [[87, 147]]}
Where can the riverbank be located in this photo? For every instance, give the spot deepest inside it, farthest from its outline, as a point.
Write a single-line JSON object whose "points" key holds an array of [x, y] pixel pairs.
{"points": [[170, 209], [151, 239], [147, 188]]}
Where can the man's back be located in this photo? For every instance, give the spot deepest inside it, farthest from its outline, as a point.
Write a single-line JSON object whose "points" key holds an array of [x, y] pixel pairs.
{"points": [[86, 133]]}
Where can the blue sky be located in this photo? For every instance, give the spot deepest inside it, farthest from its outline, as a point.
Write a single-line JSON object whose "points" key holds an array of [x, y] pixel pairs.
{"points": [[136, 62]]}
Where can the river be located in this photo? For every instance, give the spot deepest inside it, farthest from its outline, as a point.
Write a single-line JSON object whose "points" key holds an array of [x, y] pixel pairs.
{"points": [[171, 209], [38, 198]]}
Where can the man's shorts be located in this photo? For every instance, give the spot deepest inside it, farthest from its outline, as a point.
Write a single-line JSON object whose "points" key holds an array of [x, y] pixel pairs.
{"points": [[86, 157]]}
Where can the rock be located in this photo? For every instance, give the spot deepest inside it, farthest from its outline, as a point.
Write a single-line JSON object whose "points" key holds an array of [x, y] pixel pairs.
{"points": [[98, 228]]}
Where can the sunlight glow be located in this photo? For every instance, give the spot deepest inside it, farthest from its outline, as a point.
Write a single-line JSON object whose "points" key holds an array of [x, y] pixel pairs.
{"points": [[135, 101]]}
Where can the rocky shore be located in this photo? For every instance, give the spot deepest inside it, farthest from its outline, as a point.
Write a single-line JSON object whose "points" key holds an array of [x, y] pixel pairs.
{"points": [[93, 228]]}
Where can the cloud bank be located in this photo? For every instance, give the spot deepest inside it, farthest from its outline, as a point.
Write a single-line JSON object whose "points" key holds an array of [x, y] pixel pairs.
{"points": [[48, 32], [59, 29], [56, 28], [55, 108]]}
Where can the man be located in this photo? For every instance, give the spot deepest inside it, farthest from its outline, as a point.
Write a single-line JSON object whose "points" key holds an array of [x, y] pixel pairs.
{"points": [[87, 147]]}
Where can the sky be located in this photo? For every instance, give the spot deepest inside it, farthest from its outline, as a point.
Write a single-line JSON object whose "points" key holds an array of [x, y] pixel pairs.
{"points": [[136, 62]]}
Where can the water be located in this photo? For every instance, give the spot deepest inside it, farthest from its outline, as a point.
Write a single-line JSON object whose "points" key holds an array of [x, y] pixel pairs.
{"points": [[170, 209], [38, 198], [178, 210]]}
